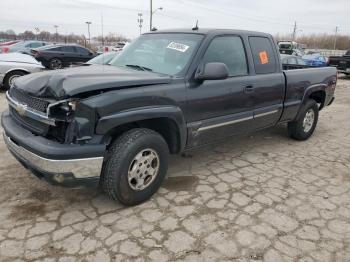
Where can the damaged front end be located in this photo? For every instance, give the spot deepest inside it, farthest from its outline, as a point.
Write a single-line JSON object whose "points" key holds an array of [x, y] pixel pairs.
{"points": [[65, 121]]}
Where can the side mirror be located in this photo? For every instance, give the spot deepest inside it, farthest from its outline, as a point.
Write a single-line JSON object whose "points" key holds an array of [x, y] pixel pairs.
{"points": [[212, 71]]}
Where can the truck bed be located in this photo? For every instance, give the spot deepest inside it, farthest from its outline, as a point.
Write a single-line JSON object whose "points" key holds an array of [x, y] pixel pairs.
{"points": [[299, 80]]}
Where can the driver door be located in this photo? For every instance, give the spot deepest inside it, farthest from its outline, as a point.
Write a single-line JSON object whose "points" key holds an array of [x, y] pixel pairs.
{"points": [[221, 108]]}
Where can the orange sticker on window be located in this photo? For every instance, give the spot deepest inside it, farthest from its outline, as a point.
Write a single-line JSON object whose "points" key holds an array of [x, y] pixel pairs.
{"points": [[264, 59]]}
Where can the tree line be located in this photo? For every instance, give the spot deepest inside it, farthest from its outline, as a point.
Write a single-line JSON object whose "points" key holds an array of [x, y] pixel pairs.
{"points": [[320, 41], [108, 39], [314, 41]]}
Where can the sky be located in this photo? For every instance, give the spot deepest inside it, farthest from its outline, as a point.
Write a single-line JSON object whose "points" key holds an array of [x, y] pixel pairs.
{"points": [[120, 16]]}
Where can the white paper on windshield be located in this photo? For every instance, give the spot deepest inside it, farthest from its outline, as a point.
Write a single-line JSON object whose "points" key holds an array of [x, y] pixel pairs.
{"points": [[178, 47]]}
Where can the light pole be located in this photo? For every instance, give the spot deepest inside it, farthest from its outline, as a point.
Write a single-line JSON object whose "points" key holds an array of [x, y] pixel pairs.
{"points": [[56, 26], [88, 24], [335, 38], [140, 21], [152, 13], [37, 30]]}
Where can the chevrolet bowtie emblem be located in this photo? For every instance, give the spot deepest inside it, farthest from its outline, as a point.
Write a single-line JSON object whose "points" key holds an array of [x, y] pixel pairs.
{"points": [[21, 109]]}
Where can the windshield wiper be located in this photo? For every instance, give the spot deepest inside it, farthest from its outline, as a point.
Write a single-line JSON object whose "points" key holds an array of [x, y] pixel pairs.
{"points": [[140, 67]]}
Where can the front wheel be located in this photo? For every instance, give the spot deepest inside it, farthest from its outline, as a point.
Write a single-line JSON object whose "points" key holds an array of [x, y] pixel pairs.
{"points": [[136, 165], [55, 63], [304, 126], [10, 78]]}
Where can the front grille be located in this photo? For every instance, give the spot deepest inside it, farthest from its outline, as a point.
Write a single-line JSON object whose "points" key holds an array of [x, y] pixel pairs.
{"points": [[32, 125], [32, 102]]}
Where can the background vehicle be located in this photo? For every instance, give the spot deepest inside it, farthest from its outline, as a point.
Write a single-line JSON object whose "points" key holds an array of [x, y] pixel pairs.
{"points": [[9, 43], [22, 47], [59, 56], [292, 62], [315, 60], [103, 59], [342, 63], [119, 46], [290, 48], [14, 65], [169, 91]]}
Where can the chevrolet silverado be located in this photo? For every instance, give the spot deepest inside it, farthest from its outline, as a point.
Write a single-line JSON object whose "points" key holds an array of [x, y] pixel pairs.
{"points": [[167, 92]]}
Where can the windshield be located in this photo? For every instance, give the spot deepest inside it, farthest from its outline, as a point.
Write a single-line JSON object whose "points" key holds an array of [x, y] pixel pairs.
{"points": [[285, 46], [161, 53]]}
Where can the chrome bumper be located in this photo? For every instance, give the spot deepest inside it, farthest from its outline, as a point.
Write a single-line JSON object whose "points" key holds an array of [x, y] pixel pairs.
{"points": [[80, 168]]}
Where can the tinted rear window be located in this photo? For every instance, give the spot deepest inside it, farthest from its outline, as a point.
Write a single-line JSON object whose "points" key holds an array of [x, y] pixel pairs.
{"points": [[264, 57]]}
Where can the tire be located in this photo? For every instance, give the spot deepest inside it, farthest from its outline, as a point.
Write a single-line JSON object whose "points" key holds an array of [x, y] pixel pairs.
{"points": [[126, 158], [10, 77], [304, 126], [55, 63]]}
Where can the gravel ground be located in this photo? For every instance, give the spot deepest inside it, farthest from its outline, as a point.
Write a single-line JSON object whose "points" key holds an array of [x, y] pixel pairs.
{"points": [[258, 198]]}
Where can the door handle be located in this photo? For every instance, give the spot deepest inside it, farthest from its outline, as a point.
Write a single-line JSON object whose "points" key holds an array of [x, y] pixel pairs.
{"points": [[248, 89]]}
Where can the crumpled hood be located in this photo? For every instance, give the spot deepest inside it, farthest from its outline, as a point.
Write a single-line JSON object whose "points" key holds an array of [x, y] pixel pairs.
{"points": [[61, 84]]}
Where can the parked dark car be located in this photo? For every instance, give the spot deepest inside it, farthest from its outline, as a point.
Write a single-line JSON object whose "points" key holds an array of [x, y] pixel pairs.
{"points": [[342, 63], [59, 56], [168, 92], [292, 62]]}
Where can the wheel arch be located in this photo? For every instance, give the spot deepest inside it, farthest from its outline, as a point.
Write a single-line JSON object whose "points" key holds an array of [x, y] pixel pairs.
{"points": [[316, 92], [167, 121]]}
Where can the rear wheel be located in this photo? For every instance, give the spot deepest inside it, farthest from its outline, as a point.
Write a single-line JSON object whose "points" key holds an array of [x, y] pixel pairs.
{"points": [[304, 126], [10, 78], [136, 165], [55, 63]]}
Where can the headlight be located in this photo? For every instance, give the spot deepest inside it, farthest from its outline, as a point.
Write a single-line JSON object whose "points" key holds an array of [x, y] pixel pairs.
{"points": [[62, 109]]}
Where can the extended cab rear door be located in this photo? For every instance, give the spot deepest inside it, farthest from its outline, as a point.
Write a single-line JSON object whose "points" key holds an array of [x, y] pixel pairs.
{"points": [[268, 81]]}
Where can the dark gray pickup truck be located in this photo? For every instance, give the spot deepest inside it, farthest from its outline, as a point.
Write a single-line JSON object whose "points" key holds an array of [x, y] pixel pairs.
{"points": [[342, 63], [168, 92]]}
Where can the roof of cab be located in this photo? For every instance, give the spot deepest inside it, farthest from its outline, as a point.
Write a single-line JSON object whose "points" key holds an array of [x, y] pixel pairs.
{"points": [[208, 31]]}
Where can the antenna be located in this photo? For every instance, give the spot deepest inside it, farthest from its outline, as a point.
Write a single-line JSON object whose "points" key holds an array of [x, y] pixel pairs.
{"points": [[196, 27]]}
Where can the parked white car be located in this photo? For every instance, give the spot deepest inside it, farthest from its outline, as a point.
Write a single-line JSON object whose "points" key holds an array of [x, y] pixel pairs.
{"points": [[14, 65]]}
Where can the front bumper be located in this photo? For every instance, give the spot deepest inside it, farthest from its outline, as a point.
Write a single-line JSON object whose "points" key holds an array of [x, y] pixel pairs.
{"points": [[66, 165]]}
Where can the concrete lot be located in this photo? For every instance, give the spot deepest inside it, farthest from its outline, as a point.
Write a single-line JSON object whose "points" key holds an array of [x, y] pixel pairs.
{"points": [[258, 198]]}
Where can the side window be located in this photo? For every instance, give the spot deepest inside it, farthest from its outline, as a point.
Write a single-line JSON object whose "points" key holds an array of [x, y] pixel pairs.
{"points": [[230, 51], [57, 49], [69, 49], [35, 45], [82, 51], [264, 57], [292, 61], [301, 62]]}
